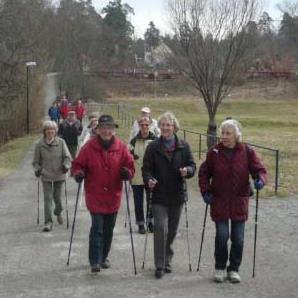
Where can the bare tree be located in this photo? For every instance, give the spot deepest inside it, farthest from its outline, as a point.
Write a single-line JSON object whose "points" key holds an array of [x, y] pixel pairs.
{"points": [[289, 7], [213, 38]]}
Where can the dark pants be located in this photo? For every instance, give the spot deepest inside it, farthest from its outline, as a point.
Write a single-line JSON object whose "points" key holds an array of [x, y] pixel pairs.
{"points": [[138, 195], [166, 221], [221, 244], [100, 237]]}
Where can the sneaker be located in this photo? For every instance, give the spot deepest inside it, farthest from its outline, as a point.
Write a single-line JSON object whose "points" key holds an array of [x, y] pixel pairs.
{"points": [[168, 268], [142, 229], [158, 273], [234, 276], [219, 275], [60, 219], [47, 227], [95, 268], [105, 264]]}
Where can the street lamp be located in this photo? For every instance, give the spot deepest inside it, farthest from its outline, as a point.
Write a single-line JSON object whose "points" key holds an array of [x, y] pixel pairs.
{"points": [[28, 64]]}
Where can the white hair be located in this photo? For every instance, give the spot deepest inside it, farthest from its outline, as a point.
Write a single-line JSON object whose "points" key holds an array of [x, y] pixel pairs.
{"points": [[235, 125], [49, 124], [170, 117]]}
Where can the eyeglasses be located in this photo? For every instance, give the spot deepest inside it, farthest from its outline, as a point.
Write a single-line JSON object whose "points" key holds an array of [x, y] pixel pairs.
{"points": [[144, 124]]}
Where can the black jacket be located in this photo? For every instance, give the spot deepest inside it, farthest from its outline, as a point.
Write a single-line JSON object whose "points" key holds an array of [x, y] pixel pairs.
{"points": [[70, 132], [156, 164]]}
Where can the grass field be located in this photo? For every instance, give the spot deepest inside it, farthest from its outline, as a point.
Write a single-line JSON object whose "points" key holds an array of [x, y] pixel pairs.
{"points": [[270, 123]]}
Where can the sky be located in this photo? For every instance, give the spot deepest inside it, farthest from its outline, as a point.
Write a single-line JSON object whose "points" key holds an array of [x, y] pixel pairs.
{"points": [[155, 10]]}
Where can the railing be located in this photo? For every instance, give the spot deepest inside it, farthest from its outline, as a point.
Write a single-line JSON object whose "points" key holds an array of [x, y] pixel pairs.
{"points": [[197, 140]]}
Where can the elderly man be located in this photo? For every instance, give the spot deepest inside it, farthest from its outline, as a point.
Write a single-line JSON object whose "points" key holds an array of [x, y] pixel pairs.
{"points": [[103, 163], [153, 127]]}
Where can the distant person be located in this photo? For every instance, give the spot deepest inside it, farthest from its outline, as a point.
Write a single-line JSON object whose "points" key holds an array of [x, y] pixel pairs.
{"points": [[103, 163], [64, 107], [224, 184], [137, 147], [69, 130], [80, 110], [153, 127], [167, 162], [51, 162], [54, 112], [89, 131]]}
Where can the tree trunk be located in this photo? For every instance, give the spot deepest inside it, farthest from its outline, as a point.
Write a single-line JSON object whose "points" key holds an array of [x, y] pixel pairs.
{"points": [[211, 132]]}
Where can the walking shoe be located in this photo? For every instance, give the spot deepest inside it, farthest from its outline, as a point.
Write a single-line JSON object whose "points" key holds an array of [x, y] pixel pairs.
{"points": [[219, 275], [142, 229], [47, 227], [234, 276], [150, 227], [105, 264], [168, 268], [60, 219], [95, 268], [158, 273]]}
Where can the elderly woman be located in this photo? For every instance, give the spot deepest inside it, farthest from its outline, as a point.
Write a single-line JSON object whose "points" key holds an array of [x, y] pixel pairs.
{"points": [[51, 162], [167, 162], [137, 148], [224, 184]]}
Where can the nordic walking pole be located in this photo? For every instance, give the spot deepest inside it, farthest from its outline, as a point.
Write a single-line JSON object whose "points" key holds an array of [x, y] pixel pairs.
{"points": [[38, 201], [130, 229], [147, 219], [66, 207], [256, 230], [202, 239], [125, 223], [186, 222], [73, 223]]}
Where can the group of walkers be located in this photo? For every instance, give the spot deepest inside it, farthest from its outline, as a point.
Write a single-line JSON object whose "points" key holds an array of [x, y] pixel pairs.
{"points": [[156, 163]]}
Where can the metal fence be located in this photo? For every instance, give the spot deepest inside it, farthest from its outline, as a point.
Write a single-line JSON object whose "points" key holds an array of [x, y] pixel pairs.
{"points": [[197, 140]]}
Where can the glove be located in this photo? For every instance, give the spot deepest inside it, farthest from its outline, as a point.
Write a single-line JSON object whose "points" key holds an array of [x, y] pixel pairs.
{"points": [[259, 184], [124, 173], [79, 177], [37, 173], [207, 197], [135, 156], [64, 170]]}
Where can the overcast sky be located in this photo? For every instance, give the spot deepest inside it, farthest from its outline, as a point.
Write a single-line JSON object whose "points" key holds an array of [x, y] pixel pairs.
{"points": [[155, 10]]}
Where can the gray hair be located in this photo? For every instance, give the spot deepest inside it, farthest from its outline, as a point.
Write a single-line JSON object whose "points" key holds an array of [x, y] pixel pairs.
{"points": [[232, 123], [49, 124], [170, 117]]}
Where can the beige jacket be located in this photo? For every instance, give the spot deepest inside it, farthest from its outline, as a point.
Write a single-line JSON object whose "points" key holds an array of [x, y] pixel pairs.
{"points": [[52, 159]]}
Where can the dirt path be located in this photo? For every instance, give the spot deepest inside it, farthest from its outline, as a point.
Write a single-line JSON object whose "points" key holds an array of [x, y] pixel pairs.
{"points": [[32, 263]]}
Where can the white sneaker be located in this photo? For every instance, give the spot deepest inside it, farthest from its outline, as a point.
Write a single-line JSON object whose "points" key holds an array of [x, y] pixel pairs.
{"points": [[219, 275], [234, 276]]}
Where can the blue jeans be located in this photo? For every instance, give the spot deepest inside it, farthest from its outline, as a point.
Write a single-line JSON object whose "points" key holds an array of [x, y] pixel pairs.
{"points": [[221, 244], [138, 195], [100, 237]]}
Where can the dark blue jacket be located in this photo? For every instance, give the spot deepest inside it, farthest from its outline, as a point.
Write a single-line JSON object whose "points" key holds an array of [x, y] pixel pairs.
{"points": [[54, 113]]}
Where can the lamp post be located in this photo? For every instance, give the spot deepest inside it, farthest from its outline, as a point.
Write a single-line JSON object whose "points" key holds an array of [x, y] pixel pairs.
{"points": [[28, 64]]}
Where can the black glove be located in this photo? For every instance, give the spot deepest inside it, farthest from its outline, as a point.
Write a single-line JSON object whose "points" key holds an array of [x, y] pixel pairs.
{"points": [[64, 170], [124, 173], [135, 156], [37, 173], [79, 177]]}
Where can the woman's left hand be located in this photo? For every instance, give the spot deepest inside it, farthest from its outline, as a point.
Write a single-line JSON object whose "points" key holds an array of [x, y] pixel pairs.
{"points": [[183, 172]]}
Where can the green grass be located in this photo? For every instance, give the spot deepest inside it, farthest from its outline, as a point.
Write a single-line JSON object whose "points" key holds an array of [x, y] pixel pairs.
{"points": [[270, 123], [12, 153]]}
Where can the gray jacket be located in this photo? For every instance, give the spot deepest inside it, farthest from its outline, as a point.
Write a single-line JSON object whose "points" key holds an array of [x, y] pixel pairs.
{"points": [[51, 159]]}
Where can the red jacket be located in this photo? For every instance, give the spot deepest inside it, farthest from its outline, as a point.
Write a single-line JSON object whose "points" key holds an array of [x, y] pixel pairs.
{"points": [[103, 185], [80, 111], [228, 180]]}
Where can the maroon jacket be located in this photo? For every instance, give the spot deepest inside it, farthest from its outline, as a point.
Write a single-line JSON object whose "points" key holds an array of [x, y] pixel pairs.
{"points": [[103, 184], [228, 180]]}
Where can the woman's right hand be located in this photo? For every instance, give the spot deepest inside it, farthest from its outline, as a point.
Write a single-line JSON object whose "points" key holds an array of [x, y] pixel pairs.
{"points": [[151, 183]]}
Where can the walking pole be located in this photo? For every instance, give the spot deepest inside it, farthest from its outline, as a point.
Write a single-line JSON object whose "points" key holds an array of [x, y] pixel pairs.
{"points": [[38, 201], [73, 223], [186, 222], [130, 229], [66, 207], [147, 228], [256, 230], [202, 239], [125, 223]]}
